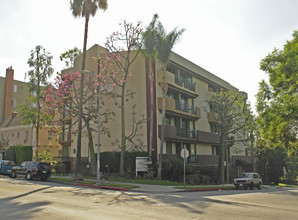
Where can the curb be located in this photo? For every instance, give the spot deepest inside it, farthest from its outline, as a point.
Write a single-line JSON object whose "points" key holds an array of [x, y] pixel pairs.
{"points": [[102, 187], [207, 189]]}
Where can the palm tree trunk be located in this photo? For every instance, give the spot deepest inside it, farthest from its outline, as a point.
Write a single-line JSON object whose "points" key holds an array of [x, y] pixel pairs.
{"points": [[151, 79], [79, 140], [163, 116]]}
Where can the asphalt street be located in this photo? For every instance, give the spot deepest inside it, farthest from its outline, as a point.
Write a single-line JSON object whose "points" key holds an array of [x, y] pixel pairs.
{"points": [[21, 199]]}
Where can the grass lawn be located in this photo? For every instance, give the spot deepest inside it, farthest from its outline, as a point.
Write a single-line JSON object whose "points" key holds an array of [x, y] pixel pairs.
{"points": [[145, 181]]}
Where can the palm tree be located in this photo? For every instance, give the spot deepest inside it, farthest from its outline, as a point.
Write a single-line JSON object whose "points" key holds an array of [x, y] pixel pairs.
{"points": [[84, 8], [150, 46], [165, 44]]}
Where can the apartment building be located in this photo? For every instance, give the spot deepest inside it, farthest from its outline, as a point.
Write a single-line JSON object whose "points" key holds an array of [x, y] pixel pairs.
{"points": [[190, 123], [12, 131]]}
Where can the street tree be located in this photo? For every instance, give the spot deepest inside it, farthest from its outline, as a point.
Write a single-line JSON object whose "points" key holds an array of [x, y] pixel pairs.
{"points": [[40, 62], [84, 8], [63, 96], [230, 113], [165, 44], [69, 56], [150, 52], [277, 103], [123, 48]]}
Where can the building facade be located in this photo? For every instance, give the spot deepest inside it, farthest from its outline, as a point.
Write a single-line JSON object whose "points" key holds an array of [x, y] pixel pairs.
{"points": [[189, 123], [12, 131]]}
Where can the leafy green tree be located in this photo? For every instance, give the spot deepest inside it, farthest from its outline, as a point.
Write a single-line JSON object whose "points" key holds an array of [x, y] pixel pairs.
{"points": [[165, 44], [40, 62], [277, 102], [84, 8], [277, 105], [232, 114], [69, 56]]}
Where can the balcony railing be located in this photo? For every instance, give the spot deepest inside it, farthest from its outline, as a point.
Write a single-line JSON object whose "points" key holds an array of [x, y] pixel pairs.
{"points": [[185, 132], [184, 83], [184, 107]]}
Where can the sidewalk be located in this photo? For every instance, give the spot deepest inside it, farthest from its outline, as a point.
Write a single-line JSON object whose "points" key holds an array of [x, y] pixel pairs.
{"points": [[142, 188]]}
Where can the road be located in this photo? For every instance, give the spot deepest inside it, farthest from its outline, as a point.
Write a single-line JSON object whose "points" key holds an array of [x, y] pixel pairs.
{"points": [[21, 199]]}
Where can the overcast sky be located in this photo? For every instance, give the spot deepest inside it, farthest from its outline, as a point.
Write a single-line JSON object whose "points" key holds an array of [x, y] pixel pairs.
{"points": [[226, 37]]}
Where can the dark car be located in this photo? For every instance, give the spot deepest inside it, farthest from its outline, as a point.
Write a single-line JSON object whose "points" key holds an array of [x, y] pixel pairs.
{"points": [[250, 180], [5, 167], [30, 169]]}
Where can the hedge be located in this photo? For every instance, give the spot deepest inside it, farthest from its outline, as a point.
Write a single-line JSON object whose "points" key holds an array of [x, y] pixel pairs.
{"points": [[112, 159], [19, 154]]}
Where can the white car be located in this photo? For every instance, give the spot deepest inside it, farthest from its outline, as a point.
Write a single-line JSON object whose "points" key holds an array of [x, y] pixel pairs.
{"points": [[250, 180]]}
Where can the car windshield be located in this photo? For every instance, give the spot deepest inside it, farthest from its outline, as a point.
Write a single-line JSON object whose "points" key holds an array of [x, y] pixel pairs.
{"points": [[247, 175]]}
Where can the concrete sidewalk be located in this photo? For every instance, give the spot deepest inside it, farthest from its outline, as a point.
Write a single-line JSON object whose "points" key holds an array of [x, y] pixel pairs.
{"points": [[143, 188]]}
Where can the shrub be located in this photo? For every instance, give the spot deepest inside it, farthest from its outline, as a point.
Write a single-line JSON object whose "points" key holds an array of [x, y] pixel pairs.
{"points": [[19, 154], [23, 153], [113, 160], [173, 169]]}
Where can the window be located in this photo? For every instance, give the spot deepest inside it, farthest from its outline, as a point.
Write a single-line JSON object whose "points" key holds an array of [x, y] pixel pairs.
{"points": [[214, 150], [18, 134], [26, 136], [15, 88], [50, 135], [13, 103], [170, 148]]}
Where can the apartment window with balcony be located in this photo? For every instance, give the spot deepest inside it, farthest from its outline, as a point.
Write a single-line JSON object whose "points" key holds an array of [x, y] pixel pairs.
{"points": [[214, 128]]}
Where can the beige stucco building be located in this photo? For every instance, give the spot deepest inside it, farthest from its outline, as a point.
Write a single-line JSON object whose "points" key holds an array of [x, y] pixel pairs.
{"points": [[189, 121], [12, 131]]}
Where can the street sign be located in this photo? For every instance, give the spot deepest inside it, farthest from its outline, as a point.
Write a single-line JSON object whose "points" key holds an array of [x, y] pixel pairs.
{"points": [[184, 152]]}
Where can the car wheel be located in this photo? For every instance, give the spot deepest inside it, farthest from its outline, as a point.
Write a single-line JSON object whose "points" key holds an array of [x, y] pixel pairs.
{"points": [[28, 176], [43, 179], [236, 186], [259, 185], [251, 186], [13, 174]]}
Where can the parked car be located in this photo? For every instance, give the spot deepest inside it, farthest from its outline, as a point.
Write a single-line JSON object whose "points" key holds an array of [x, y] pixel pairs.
{"points": [[250, 180], [30, 169], [5, 167]]}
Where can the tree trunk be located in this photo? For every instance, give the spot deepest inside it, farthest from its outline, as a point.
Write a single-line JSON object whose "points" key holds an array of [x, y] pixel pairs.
{"points": [[123, 139], [38, 106], [221, 167], [151, 79], [91, 149], [78, 154], [163, 115]]}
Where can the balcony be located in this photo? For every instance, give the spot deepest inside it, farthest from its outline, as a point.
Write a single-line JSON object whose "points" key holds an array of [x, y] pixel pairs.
{"points": [[179, 84], [177, 133], [213, 117], [184, 83], [179, 109]]}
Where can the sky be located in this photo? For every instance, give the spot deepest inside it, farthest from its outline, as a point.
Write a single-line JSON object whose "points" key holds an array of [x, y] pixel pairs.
{"points": [[228, 38]]}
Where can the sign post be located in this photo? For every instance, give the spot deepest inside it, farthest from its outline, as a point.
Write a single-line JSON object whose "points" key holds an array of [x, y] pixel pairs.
{"points": [[184, 155]]}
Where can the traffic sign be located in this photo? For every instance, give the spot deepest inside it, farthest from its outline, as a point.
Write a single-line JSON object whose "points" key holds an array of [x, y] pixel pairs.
{"points": [[184, 152]]}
